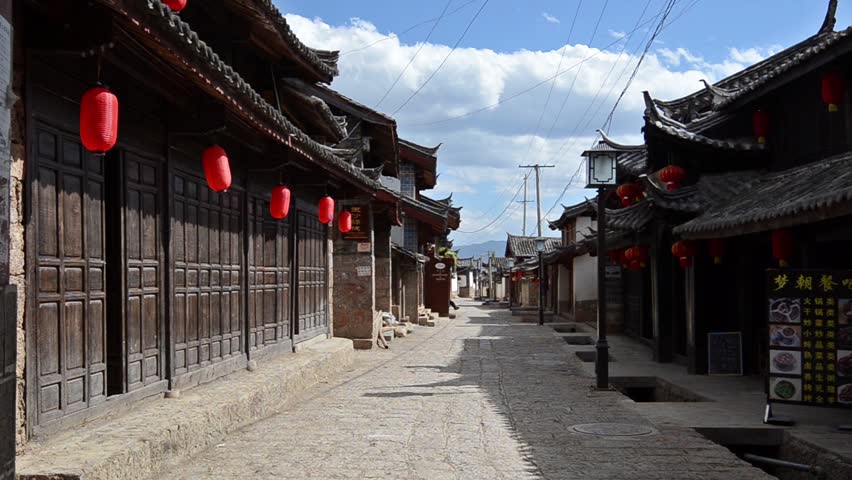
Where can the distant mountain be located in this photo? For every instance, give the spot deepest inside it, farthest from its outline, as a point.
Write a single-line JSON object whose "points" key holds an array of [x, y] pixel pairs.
{"points": [[482, 249]]}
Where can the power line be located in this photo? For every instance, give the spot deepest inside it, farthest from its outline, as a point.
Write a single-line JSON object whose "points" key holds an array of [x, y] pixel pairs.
{"points": [[461, 37], [532, 87], [657, 31], [424, 22], [511, 202], [411, 60]]}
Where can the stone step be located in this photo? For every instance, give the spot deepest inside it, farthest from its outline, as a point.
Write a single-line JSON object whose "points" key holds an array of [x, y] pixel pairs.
{"points": [[400, 331], [158, 430], [431, 323]]}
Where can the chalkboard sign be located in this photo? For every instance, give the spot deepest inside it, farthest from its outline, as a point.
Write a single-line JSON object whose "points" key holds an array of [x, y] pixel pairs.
{"points": [[725, 353]]}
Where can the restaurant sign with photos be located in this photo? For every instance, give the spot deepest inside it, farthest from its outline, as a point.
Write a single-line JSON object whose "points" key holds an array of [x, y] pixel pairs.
{"points": [[810, 337]]}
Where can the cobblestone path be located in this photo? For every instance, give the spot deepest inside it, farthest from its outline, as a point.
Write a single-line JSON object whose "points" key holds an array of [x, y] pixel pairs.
{"points": [[478, 397]]}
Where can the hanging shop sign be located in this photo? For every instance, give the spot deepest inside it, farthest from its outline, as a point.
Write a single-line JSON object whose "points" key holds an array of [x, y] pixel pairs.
{"points": [[810, 336], [359, 230]]}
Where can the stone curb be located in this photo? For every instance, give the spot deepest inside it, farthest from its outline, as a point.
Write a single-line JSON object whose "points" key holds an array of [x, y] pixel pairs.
{"points": [[139, 443]]}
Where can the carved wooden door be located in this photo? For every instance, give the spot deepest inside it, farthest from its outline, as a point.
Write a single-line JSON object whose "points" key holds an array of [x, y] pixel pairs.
{"points": [[69, 305], [312, 275], [142, 257], [269, 276], [206, 232]]}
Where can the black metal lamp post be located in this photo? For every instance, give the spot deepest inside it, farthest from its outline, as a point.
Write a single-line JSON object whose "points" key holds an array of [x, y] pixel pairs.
{"points": [[539, 247], [601, 174], [511, 264]]}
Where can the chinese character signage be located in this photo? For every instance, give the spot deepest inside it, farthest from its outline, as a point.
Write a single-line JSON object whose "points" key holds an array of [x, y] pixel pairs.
{"points": [[810, 336], [360, 225]]}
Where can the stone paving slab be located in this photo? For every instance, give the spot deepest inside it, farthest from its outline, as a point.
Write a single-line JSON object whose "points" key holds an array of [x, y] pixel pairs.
{"points": [[479, 397], [157, 430]]}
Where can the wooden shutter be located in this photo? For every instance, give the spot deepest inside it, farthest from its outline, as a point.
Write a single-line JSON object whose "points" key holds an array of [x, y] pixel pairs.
{"points": [[312, 275]]}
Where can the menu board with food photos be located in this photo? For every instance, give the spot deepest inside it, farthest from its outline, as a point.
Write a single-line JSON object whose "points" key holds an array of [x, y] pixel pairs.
{"points": [[810, 336]]}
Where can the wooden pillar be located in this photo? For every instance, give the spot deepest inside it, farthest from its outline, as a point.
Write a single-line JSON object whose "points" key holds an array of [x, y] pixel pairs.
{"points": [[661, 296]]}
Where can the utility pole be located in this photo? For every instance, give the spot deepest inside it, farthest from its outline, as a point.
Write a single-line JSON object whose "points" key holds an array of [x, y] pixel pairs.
{"points": [[525, 202], [537, 168]]}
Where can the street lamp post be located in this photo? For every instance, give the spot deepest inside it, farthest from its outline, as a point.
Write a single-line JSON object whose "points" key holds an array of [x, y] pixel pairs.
{"points": [[601, 174], [539, 247]]}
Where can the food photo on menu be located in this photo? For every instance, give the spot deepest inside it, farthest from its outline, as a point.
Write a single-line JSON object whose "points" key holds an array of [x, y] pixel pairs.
{"points": [[844, 337], [783, 361], [785, 310], [844, 363], [844, 311], [844, 393], [788, 389], [785, 335]]}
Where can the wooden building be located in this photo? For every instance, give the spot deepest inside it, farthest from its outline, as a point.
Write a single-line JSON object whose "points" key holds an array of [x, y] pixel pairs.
{"points": [[136, 278], [527, 281], [762, 156]]}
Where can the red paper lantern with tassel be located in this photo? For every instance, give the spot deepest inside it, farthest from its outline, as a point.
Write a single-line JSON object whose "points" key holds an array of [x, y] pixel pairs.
{"points": [[782, 246], [344, 221], [832, 89], [98, 120], [628, 193], [761, 125], [684, 250], [718, 247], [217, 168], [326, 210], [279, 204], [175, 5], [673, 176], [614, 256]]}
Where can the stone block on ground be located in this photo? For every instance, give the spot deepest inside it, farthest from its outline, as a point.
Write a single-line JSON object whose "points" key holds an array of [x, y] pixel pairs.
{"points": [[431, 323], [137, 444], [363, 343], [400, 331]]}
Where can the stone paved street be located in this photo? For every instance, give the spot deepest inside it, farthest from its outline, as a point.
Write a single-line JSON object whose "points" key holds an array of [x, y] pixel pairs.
{"points": [[481, 396]]}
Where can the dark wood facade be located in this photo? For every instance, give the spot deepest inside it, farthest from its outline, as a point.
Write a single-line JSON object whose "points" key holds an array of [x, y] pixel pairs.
{"points": [[140, 279]]}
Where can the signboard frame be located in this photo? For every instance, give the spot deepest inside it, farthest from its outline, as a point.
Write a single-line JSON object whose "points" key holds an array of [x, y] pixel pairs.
{"points": [[809, 346], [360, 231], [710, 354]]}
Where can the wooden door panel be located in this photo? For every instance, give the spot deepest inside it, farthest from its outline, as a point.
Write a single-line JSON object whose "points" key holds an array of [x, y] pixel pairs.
{"points": [[207, 271], [312, 274], [143, 271], [69, 285], [269, 276]]}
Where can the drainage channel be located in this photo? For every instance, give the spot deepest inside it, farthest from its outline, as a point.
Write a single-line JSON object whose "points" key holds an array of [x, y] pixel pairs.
{"points": [[780, 454]]}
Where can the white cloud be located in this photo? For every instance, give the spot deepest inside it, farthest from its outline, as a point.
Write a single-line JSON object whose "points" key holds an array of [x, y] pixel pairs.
{"points": [[616, 34], [549, 18], [481, 153]]}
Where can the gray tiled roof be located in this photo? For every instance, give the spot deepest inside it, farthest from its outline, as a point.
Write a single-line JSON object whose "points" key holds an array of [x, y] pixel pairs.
{"points": [[429, 151], [518, 246], [633, 159], [586, 207], [804, 194], [693, 109], [632, 218], [711, 189], [181, 34], [323, 60]]}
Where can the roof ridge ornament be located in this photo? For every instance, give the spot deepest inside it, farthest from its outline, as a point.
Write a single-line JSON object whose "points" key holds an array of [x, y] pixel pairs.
{"points": [[717, 93], [620, 146], [830, 18]]}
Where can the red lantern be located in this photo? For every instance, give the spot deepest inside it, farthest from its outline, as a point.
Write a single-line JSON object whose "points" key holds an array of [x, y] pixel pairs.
{"points": [[832, 89], [684, 250], [175, 5], [326, 210], [718, 247], [625, 262], [536, 280], [761, 125], [344, 221], [673, 175], [279, 204], [637, 257], [98, 120], [217, 168], [628, 193], [782, 246], [614, 256]]}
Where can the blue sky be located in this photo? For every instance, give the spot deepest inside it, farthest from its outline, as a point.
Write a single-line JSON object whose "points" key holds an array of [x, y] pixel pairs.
{"points": [[515, 44]]}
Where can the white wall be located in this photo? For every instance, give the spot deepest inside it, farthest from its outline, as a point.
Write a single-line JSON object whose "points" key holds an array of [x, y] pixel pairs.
{"points": [[454, 284], [585, 267]]}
